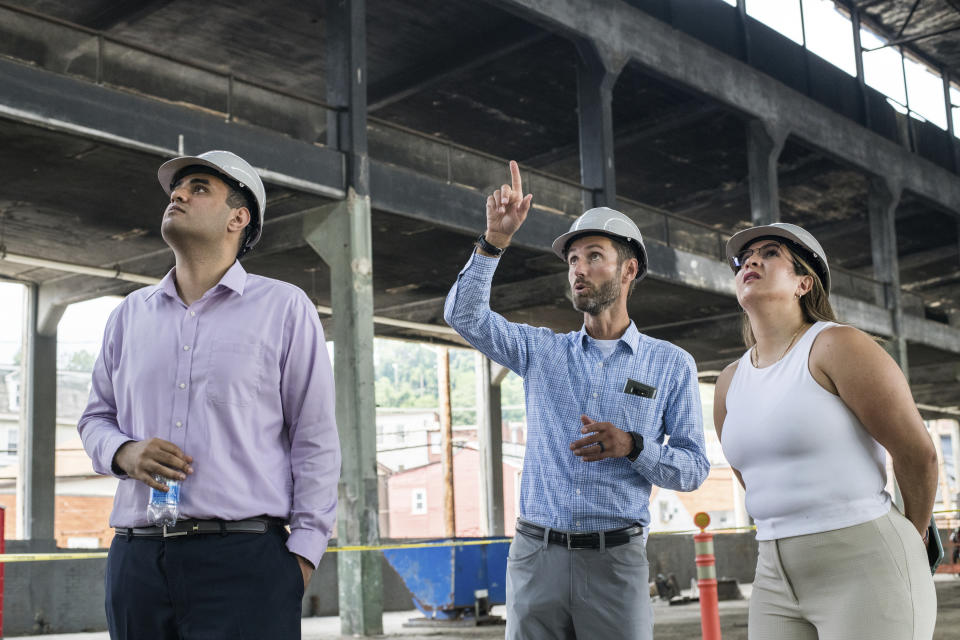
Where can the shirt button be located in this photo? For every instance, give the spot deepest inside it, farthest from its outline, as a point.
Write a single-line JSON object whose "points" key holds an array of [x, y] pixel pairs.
{"points": [[578, 491], [179, 424], [186, 347], [577, 524], [599, 365], [193, 313], [594, 395], [182, 385]]}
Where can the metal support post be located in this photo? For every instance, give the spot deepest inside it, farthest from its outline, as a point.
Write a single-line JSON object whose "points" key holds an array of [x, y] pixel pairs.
{"points": [[597, 72], [764, 143], [36, 482], [341, 234], [882, 201], [951, 125], [858, 58], [490, 437], [744, 30]]}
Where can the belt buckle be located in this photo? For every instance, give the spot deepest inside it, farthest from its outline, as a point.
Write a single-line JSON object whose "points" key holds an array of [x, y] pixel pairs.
{"points": [[583, 545], [196, 529]]}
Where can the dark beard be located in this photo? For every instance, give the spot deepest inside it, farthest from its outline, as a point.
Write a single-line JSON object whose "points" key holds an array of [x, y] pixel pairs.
{"points": [[598, 301]]}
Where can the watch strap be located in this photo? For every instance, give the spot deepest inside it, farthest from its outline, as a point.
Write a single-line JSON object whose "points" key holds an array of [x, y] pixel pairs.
{"points": [[486, 246], [637, 446]]}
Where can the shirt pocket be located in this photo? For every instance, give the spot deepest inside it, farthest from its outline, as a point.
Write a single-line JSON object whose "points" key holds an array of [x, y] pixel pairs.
{"points": [[638, 414], [235, 372]]}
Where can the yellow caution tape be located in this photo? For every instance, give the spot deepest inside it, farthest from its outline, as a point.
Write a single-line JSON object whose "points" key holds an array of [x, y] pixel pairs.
{"points": [[44, 557]]}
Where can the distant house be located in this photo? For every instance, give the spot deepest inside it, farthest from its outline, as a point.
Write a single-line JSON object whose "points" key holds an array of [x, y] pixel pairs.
{"points": [[674, 510], [415, 498], [83, 498]]}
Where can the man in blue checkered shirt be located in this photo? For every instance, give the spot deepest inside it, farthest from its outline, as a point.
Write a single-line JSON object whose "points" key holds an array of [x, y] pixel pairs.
{"points": [[600, 402]]}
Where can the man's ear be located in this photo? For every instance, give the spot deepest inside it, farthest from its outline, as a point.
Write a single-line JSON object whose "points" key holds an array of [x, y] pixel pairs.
{"points": [[239, 218], [632, 268]]}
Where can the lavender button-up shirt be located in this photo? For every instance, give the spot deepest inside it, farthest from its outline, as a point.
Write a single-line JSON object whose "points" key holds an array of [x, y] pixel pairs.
{"points": [[241, 381]]}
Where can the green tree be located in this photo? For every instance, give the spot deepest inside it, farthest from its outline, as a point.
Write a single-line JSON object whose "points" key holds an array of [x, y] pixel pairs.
{"points": [[81, 360]]}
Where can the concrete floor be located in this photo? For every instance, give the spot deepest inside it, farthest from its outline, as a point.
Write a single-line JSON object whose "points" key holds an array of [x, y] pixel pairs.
{"points": [[672, 623]]}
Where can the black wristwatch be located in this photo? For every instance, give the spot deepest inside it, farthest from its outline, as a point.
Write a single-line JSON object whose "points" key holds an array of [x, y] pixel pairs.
{"points": [[486, 246], [637, 446]]}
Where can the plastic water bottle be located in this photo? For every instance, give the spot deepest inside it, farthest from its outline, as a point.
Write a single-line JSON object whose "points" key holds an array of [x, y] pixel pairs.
{"points": [[164, 507]]}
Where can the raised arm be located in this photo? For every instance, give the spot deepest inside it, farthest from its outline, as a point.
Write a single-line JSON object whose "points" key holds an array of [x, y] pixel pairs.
{"points": [[467, 308], [507, 208]]}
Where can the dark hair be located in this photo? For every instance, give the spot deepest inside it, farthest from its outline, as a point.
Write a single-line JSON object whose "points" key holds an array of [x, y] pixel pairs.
{"points": [[815, 305], [237, 197], [625, 252]]}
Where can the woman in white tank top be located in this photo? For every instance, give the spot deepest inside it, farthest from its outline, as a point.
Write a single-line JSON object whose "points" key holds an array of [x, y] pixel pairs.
{"points": [[804, 418]]}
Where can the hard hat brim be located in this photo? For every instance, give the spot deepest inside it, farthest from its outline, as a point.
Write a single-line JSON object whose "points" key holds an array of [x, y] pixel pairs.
{"points": [[559, 246], [741, 239], [169, 169]]}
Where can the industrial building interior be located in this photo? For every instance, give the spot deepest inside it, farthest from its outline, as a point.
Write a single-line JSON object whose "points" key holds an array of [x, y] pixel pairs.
{"points": [[691, 116]]}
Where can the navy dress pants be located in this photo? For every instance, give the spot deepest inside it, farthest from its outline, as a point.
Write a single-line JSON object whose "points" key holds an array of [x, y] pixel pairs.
{"points": [[208, 586]]}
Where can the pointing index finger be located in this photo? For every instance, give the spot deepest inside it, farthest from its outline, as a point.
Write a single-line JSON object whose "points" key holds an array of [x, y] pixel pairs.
{"points": [[517, 182]]}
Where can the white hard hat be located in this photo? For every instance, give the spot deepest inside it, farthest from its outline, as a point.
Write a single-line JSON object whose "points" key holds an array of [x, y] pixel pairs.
{"points": [[227, 164], [791, 232], [605, 221]]}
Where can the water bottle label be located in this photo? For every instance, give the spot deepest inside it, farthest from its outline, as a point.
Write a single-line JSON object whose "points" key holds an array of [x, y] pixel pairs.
{"points": [[164, 508], [170, 497]]}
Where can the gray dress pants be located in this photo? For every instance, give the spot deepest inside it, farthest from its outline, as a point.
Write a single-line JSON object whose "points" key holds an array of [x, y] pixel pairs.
{"points": [[554, 593]]}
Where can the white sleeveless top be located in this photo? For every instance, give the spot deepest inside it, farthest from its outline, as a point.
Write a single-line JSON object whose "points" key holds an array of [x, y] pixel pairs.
{"points": [[808, 463]]}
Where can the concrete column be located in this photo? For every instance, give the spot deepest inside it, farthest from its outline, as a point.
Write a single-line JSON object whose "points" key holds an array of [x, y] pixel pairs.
{"points": [[490, 439], [36, 482], [764, 144], [341, 234], [882, 201], [597, 71]]}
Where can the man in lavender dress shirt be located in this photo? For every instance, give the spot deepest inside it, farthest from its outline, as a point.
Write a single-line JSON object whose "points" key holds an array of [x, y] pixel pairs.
{"points": [[219, 379]]}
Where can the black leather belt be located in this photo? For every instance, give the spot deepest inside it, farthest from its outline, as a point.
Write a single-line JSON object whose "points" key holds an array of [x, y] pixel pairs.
{"points": [[197, 527], [591, 540]]}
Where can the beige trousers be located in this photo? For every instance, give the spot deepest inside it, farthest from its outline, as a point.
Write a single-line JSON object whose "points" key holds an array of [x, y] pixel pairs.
{"points": [[870, 581]]}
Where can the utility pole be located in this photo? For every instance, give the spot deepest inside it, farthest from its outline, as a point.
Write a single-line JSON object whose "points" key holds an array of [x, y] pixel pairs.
{"points": [[446, 440]]}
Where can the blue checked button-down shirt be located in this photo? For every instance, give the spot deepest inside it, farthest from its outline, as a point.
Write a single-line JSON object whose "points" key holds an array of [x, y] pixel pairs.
{"points": [[566, 375]]}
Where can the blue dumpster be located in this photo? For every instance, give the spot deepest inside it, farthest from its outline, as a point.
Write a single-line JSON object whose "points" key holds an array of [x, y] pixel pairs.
{"points": [[444, 580]]}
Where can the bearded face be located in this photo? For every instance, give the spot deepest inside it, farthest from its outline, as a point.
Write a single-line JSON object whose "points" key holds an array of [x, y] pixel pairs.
{"points": [[595, 297]]}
